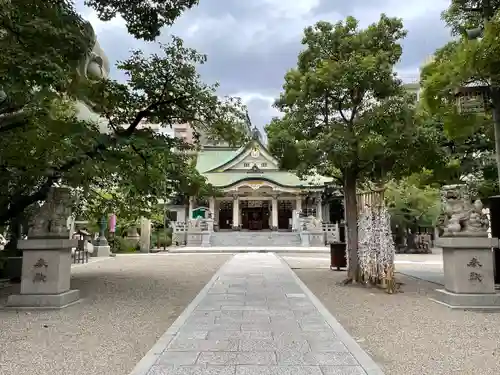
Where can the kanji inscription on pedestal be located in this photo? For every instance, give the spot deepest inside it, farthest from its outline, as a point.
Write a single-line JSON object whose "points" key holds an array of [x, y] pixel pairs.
{"points": [[40, 266], [475, 276], [474, 263]]}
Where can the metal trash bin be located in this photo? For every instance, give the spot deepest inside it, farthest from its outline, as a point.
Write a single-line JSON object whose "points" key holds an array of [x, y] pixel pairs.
{"points": [[338, 258]]}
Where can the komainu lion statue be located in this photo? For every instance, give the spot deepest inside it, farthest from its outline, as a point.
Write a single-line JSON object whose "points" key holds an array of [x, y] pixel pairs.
{"points": [[461, 218], [50, 220]]}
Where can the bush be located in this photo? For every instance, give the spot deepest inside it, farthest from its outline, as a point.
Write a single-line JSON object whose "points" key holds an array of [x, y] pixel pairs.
{"points": [[123, 245], [161, 239]]}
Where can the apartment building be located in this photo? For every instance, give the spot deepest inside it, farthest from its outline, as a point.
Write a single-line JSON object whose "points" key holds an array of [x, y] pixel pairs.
{"points": [[184, 131]]}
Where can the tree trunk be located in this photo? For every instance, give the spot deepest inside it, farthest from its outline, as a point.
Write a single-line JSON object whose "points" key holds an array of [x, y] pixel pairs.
{"points": [[495, 97], [351, 215]]}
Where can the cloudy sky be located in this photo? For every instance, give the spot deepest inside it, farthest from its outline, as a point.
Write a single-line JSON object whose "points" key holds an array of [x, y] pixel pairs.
{"points": [[252, 43]]}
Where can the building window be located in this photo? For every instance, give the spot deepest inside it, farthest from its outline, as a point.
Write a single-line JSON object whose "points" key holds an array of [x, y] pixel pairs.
{"points": [[246, 165], [263, 165], [172, 215]]}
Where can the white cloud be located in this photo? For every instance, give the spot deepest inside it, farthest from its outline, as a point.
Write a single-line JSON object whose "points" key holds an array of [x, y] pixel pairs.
{"points": [[248, 96], [277, 20], [411, 10], [251, 44], [290, 9]]}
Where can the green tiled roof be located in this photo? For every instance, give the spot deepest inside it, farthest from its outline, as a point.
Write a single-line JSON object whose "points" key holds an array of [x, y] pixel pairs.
{"points": [[211, 158], [283, 178]]}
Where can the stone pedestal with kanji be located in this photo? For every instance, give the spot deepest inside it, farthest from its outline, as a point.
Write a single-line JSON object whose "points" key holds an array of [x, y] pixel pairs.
{"points": [[468, 274], [467, 253], [46, 269], [46, 275]]}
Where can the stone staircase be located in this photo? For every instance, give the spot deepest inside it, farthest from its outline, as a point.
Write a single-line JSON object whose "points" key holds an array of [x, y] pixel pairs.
{"points": [[255, 239]]}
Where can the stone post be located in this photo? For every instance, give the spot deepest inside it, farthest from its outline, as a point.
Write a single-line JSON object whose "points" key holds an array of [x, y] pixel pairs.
{"points": [[190, 208], [467, 254], [46, 269], [274, 213], [319, 209], [101, 246], [145, 241], [205, 235], [236, 212], [210, 224]]}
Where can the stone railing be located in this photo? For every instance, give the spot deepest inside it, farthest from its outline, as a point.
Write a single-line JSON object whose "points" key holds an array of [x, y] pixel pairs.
{"points": [[179, 233], [332, 232], [179, 226], [192, 233], [311, 232]]}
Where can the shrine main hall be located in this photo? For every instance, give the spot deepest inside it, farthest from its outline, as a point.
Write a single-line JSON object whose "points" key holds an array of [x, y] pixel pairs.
{"points": [[255, 193]]}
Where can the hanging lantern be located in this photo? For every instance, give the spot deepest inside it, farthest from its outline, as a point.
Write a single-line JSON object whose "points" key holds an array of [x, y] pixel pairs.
{"points": [[473, 98]]}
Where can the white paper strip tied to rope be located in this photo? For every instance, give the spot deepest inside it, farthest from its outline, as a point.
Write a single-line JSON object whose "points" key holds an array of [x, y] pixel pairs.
{"points": [[365, 236], [387, 247], [376, 247]]}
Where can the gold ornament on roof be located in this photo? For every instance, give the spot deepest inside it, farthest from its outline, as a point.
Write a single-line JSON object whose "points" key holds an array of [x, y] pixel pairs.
{"points": [[255, 152]]}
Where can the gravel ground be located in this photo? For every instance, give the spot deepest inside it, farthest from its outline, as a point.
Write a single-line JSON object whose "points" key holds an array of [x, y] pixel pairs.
{"points": [[129, 302], [407, 333]]}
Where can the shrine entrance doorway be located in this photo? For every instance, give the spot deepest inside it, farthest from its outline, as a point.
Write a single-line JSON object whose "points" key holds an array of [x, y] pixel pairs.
{"points": [[285, 210], [225, 218], [255, 215]]}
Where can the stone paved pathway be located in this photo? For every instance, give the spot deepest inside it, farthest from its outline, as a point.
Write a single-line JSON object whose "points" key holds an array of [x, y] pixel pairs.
{"points": [[255, 317]]}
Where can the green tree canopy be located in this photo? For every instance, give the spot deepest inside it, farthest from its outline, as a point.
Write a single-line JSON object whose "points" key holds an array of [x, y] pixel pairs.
{"points": [[411, 203], [346, 114], [467, 137], [464, 15], [43, 141]]}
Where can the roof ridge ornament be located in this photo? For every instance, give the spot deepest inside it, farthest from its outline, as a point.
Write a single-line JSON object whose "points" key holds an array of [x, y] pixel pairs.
{"points": [[255, 169], [256, 135], [255, 153]]}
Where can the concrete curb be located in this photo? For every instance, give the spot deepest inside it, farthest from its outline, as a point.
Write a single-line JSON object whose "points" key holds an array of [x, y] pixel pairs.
{"points": [[420, 278], [365, 361], [145, 364]]}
